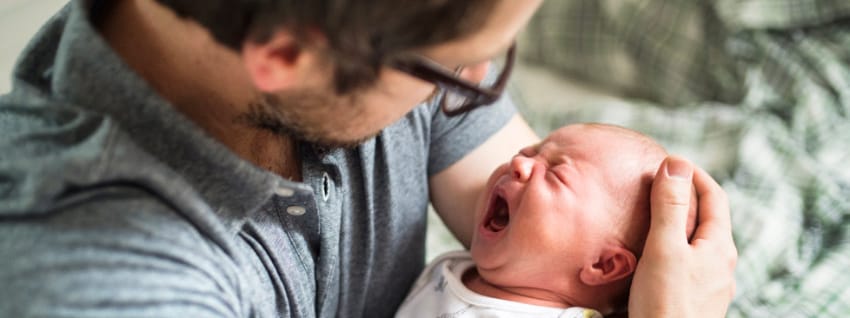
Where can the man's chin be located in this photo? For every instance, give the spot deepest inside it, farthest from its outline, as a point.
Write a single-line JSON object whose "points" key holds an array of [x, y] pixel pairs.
{"points": [[327, 137], [305, 118], [331, 143]]}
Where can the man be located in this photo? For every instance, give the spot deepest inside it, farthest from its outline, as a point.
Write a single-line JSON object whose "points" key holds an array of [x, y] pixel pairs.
{"points": [[180, 158]]}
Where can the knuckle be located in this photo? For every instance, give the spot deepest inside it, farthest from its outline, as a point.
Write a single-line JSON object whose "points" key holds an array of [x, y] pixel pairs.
{"points": [[675, 197], [672, 193]]}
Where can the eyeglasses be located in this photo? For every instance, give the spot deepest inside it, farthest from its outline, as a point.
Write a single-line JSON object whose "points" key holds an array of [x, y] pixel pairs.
{"points": [[459, 95]]}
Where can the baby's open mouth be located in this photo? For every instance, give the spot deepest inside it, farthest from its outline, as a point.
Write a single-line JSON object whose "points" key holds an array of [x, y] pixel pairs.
{"points": [[497, 215]]}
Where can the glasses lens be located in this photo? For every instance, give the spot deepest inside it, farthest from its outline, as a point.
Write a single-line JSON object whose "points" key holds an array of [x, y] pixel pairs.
{"points": [[453, 101]]}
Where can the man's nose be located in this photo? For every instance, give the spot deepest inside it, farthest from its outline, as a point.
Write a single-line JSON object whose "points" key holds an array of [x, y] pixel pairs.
{"points": [[522, 167]]}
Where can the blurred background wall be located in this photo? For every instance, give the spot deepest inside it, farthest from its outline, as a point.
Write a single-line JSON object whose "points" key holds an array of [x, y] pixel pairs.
{"points": [[19, 20]]}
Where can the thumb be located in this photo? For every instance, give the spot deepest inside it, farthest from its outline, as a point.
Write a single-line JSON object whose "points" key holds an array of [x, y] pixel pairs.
{"points": [[669, 202]]}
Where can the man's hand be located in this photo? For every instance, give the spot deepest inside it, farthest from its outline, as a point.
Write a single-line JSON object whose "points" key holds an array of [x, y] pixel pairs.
{"points": [[675, 278]]}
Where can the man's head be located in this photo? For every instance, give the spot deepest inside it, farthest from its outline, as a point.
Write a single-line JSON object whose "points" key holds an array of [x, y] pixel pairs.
{"points": [[359, 35], [569, 214], [320, 67]]}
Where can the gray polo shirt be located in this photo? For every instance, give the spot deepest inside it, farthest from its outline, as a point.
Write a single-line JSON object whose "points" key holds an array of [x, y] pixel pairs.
{"points": [[113, 204]]}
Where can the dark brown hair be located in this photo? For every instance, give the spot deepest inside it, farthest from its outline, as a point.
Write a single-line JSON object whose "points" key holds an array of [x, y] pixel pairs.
{"points": [[361, 35]]}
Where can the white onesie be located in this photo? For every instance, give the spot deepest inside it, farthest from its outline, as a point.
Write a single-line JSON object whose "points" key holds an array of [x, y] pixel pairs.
{"points": [[440, 293]]}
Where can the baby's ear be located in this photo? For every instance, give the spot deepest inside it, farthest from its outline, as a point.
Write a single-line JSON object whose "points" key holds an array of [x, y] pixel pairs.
{"points": [[613, 263]]}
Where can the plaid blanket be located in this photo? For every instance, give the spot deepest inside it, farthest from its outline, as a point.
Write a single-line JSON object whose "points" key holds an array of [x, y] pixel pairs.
{"points": [[756, 91]]}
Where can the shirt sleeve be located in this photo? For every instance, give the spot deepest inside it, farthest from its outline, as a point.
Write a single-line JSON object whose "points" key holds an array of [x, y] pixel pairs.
{"points": [[452, 138]]}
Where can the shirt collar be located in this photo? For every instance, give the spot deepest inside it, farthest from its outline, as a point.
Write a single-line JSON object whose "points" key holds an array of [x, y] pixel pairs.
{"points": [[87, 72]]}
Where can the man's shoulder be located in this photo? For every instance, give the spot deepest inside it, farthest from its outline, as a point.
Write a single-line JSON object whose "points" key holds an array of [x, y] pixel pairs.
{"points": [[85, 211], [91, 188], [114, 245], [58, 158], [50, 150]]}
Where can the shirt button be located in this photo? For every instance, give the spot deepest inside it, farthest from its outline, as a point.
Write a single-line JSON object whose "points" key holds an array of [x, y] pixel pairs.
{"points": [[326, 187], [296, 210], [284, 192]]}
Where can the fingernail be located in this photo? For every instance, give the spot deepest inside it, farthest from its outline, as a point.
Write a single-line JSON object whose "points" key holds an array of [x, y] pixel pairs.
{"points": [[678, 168]]}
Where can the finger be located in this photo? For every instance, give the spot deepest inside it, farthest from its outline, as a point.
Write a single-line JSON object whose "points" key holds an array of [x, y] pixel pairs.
{"points": [[669, 201], [714, 217]]}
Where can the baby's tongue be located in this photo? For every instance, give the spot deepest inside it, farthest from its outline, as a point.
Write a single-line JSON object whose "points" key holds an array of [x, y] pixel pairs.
{"points": [[500, 219]]}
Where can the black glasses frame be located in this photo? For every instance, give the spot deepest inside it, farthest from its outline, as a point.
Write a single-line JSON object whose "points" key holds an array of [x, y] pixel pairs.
{"points": [[426, 69]]}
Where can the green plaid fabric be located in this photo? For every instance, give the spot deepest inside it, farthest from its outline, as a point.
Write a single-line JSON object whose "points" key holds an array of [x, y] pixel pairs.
{"points": [[758, 92], [779, 14]]}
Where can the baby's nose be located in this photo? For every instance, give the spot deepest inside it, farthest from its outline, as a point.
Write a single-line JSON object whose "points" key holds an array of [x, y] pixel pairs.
{"points": [[522, 168]]}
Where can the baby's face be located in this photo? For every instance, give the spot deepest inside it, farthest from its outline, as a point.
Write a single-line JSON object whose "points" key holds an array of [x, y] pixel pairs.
{"points": [[545, 210]]}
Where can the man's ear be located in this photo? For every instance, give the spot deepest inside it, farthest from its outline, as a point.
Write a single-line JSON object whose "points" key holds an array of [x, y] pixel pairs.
{"points": [[279, 63], [613, 263]]}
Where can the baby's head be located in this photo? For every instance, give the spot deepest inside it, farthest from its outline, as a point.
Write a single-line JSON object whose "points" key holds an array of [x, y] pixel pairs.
{"points": [[565, 220]]}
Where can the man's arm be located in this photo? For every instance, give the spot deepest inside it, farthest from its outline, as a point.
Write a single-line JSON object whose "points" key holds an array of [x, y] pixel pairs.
{"points": [[675, 278], [455, 190]]}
